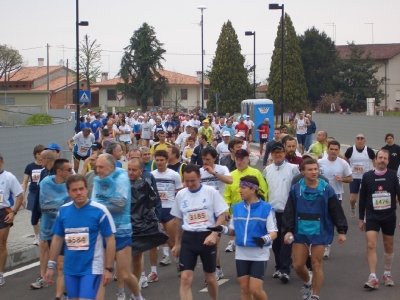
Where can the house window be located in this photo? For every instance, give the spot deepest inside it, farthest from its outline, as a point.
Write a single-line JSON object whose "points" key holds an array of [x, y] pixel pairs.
{"points": [[7, 101], [111, 95], [184, 94], [205, 94]]}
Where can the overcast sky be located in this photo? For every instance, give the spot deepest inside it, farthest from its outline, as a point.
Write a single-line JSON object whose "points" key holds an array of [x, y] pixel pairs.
{"points": [[29, 25]]}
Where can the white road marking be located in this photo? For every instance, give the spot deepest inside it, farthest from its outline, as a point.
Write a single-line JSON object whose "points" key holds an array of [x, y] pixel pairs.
{"points": [[220, 282], [21, 269]]}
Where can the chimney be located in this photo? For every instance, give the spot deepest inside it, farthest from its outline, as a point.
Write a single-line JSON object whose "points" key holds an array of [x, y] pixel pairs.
{"points": [[104, 76], [40, 62], [198, 76]]}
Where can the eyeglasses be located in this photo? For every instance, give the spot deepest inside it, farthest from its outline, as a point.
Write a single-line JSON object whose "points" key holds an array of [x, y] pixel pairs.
{"points": [[359, 138], [69, 170], [277, 152]]}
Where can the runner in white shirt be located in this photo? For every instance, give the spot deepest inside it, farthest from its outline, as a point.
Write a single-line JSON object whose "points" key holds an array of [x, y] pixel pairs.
{"points": [[185, 122], [337, 170], [216, 131], [249, 124], [124, 136], [215, 176], [83, 142], [168, 184], [195, 122], [222, 148], [181, 140], [197, 207], [8, 184]]}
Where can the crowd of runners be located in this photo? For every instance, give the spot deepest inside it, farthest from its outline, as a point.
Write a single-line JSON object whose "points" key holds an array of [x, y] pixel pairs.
{"points": [[144, 181]]}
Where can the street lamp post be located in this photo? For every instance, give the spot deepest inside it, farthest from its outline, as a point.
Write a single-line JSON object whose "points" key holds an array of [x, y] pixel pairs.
{"points": [[83, 23], [277, 6], [202, 7], [253, 33]]}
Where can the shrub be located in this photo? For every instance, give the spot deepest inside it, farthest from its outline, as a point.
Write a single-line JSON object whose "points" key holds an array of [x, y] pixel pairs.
{"points": [[39, 119]]}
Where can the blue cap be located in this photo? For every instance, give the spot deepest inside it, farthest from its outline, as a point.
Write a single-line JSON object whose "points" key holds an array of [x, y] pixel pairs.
{"points": [[244, 116], [53, 146]]}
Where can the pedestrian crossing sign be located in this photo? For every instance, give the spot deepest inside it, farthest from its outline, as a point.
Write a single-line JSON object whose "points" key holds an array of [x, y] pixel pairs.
{"points": [[84, 96]]}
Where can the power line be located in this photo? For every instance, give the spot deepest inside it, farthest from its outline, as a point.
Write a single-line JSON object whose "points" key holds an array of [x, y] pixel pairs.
{"points": [[166, 53]]}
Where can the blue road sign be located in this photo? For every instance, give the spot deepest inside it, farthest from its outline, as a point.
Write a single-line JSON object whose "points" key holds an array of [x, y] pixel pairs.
{"points": [[84, 96]]}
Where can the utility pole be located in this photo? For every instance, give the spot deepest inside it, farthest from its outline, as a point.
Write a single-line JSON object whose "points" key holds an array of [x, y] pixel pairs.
{"points": [[66, 86], [48, 76]]}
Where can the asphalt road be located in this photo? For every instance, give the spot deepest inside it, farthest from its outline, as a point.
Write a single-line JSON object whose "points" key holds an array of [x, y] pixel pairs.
{"points": [[345, 273]]}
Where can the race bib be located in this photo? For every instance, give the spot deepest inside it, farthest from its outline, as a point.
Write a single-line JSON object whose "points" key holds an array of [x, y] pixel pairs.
{"points": [[264, 136], [197, 217], [1, 197], [358, 169], [163, 196], [35, 175], [83, 149], [169, 128], [300, 128], [77, 238], [381, 201]]}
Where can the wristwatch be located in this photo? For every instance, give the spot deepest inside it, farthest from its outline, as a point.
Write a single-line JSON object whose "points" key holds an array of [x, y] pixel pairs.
{"points": [[14, 212], [109, 269], [215, 173]]}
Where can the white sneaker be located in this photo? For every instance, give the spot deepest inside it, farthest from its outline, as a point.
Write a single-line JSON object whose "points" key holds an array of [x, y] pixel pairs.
{"points": [[231, 246], [36, 240], [121, 296], [218, 273], [143, 281], [166, 260], [327, 251]]}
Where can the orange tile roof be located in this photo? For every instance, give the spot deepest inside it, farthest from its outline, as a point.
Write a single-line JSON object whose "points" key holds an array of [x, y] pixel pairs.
{"points": [[32, 73], [174, 78], [378, 51], [55, 84], [262, 88]]}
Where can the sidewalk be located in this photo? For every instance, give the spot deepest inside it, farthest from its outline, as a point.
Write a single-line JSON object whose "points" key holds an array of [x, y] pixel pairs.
{"points": [[19, 244]]}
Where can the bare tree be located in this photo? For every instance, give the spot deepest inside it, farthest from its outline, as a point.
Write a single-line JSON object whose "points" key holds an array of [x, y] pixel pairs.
{"points": [[10, 61], [175, 91], [89, 60]]}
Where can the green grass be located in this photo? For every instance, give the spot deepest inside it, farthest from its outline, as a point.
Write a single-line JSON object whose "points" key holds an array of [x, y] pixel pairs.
{"points": [[391, 113]]}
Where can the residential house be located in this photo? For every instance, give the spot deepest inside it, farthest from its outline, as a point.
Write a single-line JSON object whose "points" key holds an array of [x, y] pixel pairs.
{"points": [[184, 91], [387, 59], [21, 85], [261, 91]]}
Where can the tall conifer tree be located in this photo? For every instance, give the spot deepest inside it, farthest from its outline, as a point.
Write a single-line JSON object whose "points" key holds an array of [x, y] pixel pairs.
{"points": [[295, 89], [228, 75]]}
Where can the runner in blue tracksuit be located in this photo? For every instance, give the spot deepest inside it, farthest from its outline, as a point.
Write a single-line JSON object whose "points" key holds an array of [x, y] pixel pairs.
{"points": [[311, 213], [254, 225]]}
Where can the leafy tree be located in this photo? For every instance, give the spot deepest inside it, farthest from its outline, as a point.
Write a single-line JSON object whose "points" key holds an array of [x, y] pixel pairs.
{"points": [[320, 63], [294, 89], [228, 75], [357, 79], [139, 66], [89, 60], [10, 60], [324, 104]]}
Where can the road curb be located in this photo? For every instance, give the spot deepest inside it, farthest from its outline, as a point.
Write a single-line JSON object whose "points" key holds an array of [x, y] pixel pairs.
{"points": [[22, 256]]}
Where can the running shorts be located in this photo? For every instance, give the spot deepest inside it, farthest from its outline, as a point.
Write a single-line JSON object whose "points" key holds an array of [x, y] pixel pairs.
{"points": [[78, 157], [355, 186], [82, 287], [301, 138], [165, 215], [388, 227], [3, 214], [192, 246], [255, 269], [62, 248]]}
